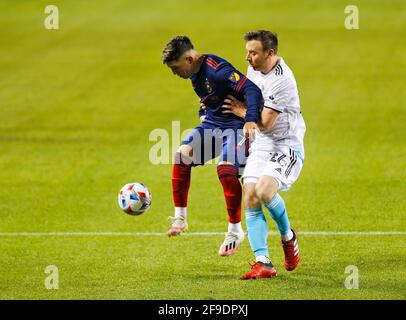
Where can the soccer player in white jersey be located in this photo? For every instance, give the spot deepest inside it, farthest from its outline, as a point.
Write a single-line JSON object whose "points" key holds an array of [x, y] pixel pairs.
{"points": [[276, 155]]}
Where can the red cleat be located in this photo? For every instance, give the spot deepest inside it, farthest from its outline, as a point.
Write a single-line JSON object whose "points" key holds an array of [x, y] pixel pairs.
{"points": [[292, 254], [260, 270]]}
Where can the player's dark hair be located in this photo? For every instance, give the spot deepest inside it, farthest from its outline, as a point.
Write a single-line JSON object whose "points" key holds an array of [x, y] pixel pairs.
{"points": [[175, 48], [268, 39]]}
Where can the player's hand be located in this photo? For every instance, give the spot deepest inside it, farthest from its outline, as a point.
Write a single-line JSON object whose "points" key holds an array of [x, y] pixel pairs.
{"points": [[234, 106], [249, 130]]}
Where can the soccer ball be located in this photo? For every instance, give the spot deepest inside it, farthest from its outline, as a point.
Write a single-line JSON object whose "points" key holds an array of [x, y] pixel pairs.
{"points": [[134, 198]]}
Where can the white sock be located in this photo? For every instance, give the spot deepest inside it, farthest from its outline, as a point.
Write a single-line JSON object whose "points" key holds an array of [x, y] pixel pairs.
{"points": [[262, 259], [180, 212], [235, 227], [288, 236]]}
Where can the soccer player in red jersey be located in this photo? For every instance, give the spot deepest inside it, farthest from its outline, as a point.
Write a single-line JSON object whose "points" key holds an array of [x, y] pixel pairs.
{"points": [[218, 135]]}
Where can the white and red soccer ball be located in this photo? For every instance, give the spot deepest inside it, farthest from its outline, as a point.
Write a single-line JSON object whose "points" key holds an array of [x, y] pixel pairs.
{"points": [[134, 198]]}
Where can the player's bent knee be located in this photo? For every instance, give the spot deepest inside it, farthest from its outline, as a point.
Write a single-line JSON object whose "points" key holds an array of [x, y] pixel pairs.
{"points": [[251, 201], [266, 188], [185, 150], [184, 155], [249, 197]]}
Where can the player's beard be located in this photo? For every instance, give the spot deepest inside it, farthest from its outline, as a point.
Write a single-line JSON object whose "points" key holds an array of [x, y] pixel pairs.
{"points": [[254, 66]]}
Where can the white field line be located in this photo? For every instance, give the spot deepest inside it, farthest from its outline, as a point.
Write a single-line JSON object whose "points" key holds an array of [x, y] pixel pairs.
{"points": [[138, 234]]}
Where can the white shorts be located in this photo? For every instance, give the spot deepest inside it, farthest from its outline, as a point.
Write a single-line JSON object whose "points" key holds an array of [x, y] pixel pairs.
{"points": [[282, 163]]}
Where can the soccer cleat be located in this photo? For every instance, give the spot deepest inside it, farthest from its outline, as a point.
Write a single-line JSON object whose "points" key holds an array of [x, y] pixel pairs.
{"points": [[178, 226], [260, 270], [292, 254], [231, 243]]}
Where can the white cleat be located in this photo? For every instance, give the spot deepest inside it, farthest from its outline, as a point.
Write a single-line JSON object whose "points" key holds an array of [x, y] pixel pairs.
{"points": [[178, 226], [231, 243]]}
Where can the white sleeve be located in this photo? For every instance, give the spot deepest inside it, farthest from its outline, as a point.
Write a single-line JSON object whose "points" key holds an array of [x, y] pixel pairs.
{"points": [[277, 95]]}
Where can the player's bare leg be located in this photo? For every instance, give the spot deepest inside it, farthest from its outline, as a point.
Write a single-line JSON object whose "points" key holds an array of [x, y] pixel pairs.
{"points": [[228, 175], [180, 188], [266, 189]]}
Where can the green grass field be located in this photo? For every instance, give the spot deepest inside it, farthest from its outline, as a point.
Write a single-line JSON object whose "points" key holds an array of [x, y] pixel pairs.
{"points": [[77, 106]]}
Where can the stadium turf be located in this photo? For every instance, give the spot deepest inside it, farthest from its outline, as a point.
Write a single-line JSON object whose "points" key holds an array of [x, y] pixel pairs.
{"points": [[77, 107]]}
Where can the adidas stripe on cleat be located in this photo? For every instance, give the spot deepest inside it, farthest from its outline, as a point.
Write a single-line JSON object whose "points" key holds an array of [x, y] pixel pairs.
{"points": [[292, 253], [231, 243]]}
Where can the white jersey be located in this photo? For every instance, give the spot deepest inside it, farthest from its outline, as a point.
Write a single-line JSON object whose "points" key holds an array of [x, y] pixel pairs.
{"points": [[279, 91]]}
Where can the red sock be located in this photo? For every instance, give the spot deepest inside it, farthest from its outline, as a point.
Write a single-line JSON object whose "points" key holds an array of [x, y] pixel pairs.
{"points": [[180, 181], [228, 175]]}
